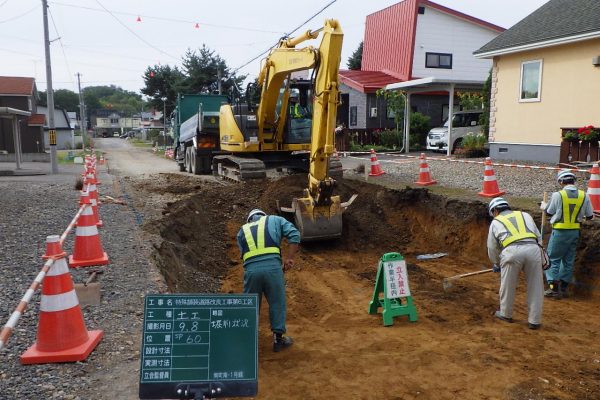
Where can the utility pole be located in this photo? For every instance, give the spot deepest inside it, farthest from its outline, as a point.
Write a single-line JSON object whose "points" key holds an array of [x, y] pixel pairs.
{"points": [[49, 92], [219, 77], [81, 111]]}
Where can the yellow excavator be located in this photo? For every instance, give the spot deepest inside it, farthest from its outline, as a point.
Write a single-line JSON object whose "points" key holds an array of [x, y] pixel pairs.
{"points": [[293, 121]]}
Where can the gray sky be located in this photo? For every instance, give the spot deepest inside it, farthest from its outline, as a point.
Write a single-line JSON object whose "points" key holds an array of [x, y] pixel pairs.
{"points": [[104, 51]]}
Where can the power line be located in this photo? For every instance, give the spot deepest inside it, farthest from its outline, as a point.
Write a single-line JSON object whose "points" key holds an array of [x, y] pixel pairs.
{"points": [[286, 35], [135, 34], [20, 15], [170, 19], [61, 44], [3, 3]]}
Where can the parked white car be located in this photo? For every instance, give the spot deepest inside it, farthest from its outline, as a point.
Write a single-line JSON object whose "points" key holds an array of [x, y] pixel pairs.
{"points": [[464, 122]]}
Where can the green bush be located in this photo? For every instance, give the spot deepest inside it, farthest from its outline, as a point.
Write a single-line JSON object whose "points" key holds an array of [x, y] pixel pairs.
{"points": [[472, 145], [419, 127], [68, 146], [390, 139], [79, 145]]}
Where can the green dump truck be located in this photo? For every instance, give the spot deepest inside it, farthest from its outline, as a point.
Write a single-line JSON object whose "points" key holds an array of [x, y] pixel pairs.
{"points": [[196, 131]]}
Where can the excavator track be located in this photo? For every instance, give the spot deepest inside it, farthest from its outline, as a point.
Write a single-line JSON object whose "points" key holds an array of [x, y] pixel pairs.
{"points": [[238, 169]]}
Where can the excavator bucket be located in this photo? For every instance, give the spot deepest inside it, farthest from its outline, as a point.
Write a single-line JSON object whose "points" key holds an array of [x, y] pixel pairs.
{"points": [[318, 222]]}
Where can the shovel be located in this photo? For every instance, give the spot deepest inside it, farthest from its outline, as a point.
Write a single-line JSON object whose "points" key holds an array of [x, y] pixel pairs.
{"points": [[89, 292], [447, 282]]}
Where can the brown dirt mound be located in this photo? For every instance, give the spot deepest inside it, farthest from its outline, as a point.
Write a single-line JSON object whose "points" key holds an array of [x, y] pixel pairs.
{"points": [[455, 350]]}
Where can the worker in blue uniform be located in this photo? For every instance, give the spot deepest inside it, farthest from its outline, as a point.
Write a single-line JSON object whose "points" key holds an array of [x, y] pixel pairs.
{"points": [[568, 208], [259, 241]]}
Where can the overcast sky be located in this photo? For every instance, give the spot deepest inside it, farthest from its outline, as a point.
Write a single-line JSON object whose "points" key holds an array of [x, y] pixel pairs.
{"points": [[95, 41]]}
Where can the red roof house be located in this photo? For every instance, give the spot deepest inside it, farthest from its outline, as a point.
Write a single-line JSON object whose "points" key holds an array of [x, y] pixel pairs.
{"points": [[409, 40], [21, 93]]}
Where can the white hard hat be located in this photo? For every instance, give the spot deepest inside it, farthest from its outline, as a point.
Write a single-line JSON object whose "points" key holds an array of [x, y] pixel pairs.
{"points": [[255, 213], [495, 203], [565, 175]]}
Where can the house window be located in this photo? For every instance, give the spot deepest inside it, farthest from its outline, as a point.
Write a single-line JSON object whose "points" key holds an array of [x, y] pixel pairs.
{"points": [[114, 120], [353, 115], [29, 103], [390, 113], [531, 81], [438, 60], [421, 10]]}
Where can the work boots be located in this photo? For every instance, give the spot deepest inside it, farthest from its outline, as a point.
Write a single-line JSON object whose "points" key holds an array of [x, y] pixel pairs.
{"points": [[281, 342], [564, 289], [554, 291]]}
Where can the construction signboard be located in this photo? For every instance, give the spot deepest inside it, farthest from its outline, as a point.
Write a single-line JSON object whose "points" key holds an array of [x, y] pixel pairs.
{"points": [[199, 344]]}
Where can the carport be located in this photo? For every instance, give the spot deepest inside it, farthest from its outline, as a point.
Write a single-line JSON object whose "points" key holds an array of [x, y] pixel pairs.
{"points": [[433, 84], [12, 114]]}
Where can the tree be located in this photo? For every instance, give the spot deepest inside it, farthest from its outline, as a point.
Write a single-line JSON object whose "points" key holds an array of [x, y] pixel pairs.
{"points": [[202, 69], [63, 98], [484, 119], [163, 81], [395, 101], [114, 97], [355, 60]]}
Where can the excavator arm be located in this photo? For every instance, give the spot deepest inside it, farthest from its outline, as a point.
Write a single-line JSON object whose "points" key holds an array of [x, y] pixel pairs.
{"points": [[318, 214]]}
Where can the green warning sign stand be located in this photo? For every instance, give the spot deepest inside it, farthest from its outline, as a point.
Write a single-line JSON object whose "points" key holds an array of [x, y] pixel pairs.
{"points": [[392, 282]]}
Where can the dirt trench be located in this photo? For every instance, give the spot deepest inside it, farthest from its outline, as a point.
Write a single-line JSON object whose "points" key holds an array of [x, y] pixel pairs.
{"points": [[455, 350]]}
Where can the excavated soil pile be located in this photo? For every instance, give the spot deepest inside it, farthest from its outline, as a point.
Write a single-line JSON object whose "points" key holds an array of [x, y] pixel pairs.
{"points": [[455, 350]]}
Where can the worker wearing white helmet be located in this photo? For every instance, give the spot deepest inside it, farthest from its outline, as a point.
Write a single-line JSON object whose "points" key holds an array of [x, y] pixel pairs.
{"points": [[514, 245], [568, 208], [259, 241]]}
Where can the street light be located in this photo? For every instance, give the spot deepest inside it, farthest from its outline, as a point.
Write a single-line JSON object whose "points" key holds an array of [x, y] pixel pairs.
{"points": [[164, 99]]}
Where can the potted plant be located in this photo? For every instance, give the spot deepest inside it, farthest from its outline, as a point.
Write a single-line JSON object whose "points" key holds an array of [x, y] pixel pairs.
{"points": [[589, 142], [571, 136]]}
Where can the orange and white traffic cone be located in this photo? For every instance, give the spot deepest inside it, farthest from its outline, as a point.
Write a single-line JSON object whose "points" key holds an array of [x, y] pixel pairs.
{"points": [[594, 187], [375, 167], [490, 185], [87, 198], [61, 334], [91, 177], [424, 174], [87, 250], [53, 248]]}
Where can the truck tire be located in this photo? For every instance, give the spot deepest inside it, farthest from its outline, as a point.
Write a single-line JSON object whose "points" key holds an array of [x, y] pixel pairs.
{"points": [[188, 160], [193, 161]]}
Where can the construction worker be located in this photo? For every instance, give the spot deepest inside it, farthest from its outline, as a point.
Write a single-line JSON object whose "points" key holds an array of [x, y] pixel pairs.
{"points": [[568, 208], [259, 241], [514, 244], [297, 111]]}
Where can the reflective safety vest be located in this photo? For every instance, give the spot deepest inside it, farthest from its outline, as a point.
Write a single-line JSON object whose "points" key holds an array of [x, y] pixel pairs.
{"points": [[570, 210], [515, 225], [296, 111], [257, 240]]}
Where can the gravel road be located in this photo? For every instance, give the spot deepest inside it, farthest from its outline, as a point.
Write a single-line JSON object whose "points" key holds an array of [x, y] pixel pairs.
{"points": [[33, 208], [520, 182]]}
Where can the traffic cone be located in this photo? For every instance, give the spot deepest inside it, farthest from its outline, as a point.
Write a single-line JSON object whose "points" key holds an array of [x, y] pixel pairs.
{"points": [[594, 187], [91, 178], [424, 174], [375, 167], [87, 198], [53, 247], [490, 185], [87, 249], [61, 334]]}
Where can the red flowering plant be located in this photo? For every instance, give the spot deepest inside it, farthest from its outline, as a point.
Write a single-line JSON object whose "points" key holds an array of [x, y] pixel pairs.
{"points": [[588, 134]]}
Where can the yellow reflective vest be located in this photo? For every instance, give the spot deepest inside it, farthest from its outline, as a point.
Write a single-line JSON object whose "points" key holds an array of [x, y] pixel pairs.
{"points": [[260, 244], [515, 225], [570, 210]]}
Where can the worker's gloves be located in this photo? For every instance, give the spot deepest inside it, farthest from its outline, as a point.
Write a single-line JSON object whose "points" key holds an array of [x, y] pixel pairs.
{"points": [[495, 268], [543, 205]]}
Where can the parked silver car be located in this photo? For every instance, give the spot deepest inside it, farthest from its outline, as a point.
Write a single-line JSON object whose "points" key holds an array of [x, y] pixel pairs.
{"points": [[464, 122]]}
